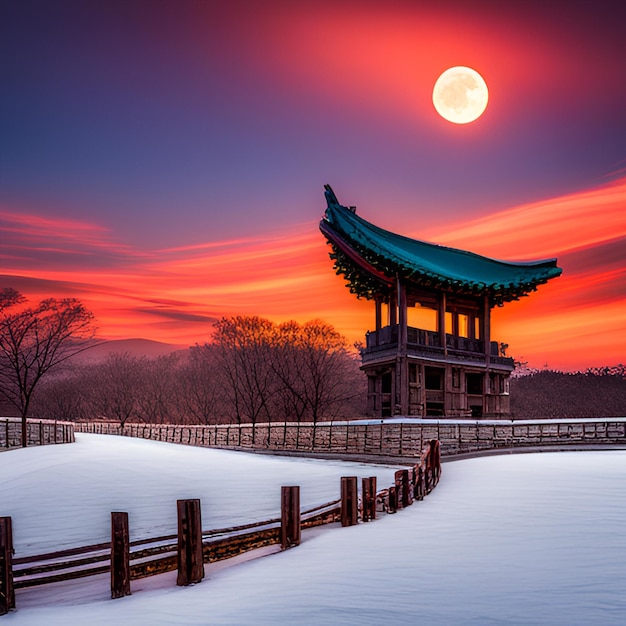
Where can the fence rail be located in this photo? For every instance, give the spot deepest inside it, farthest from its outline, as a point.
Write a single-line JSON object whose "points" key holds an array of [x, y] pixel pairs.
{"points": [[39, 432], [399, 439], [130, 560]]}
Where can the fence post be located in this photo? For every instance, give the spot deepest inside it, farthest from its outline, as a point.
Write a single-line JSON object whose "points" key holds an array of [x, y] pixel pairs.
{"points": [[349, 501], [407, 495], [393, 500], [190, 557], [7, 591], [397, 481], [418, 482], [369, 498], [120, 555], [434, 455], [289, 517]]}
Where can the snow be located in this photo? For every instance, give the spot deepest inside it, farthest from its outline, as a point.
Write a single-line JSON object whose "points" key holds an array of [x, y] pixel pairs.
{"points": [[517, 539]]}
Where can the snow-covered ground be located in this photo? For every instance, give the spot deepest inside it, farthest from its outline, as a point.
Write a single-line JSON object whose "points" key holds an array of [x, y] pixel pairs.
{"points": [[523, 539]]}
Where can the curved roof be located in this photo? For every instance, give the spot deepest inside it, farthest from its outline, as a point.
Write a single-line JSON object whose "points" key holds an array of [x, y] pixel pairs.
{"points": [[370, 257]]}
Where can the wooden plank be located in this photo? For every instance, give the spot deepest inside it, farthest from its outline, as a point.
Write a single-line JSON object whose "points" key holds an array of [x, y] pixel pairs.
{"points": [[55, 578], [7, 590], [63, 553], [120, 555], [190, 559]]}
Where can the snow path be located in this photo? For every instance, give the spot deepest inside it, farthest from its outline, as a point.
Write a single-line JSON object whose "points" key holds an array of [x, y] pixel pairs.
{"points": [[62, 496], [522, 539]]}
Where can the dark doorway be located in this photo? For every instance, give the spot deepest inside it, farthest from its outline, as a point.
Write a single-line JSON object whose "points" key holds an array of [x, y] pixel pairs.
{"points": [[474, 384], [434, 378], [386, 393]]}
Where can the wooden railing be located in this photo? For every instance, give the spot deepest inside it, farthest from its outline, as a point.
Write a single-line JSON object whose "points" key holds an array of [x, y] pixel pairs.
{"points": [[39, 432], [379, 438], [137, 559]]}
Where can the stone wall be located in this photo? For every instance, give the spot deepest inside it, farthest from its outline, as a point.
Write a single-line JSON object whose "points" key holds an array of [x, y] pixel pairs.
{"points": [[378, 438], [39, 432]]}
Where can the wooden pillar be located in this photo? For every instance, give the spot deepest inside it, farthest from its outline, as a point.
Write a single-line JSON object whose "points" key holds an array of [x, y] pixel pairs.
{"points": [[190, 558], [393, 304], [471, 326], [120, 555], [402, 369], [379, 320], [486, 329], [289, 517], [7, 590], [441, 322], [455, 323], [369, 498], [349, 501]]}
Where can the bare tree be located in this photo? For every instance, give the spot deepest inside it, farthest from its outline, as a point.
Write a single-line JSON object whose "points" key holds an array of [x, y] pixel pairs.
{"points": [[61, 396], [113, 387], [155, 385], [289, 371], [313, 362], [34, 340], [199, 385], [243, 350]]}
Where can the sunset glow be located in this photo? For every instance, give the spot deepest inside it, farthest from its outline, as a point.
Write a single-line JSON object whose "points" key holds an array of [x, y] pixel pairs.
{"points": [[177, 176]]}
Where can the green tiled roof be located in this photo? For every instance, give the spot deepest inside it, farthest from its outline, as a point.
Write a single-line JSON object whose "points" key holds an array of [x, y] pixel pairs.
{"points": [[370, 258]]}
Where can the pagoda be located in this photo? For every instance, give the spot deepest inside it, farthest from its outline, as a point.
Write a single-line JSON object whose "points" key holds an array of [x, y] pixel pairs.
{"points": [[431, 352]]}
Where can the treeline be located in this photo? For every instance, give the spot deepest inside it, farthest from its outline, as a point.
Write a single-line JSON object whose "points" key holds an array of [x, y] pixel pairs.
{"points": [[596, 392], [252, 371]]}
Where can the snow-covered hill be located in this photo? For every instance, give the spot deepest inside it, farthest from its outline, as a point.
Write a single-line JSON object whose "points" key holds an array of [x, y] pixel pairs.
{"points": [[524, 539]]}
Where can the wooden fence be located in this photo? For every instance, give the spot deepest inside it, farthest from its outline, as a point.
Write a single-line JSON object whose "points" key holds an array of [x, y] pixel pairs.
{"points": [[189, 549], [398, 439], [39, 432]]}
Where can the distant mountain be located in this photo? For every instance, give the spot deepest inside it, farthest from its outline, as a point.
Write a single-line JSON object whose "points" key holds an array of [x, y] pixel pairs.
{"points": [[134, 347]]}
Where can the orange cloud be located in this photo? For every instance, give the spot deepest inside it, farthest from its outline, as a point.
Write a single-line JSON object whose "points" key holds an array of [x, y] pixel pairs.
{"points": [[545, 228], [578, 319], [175, 294]]}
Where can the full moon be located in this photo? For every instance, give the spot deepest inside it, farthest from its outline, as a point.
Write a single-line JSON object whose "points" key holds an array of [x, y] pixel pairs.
{"points": [[460, 95]]}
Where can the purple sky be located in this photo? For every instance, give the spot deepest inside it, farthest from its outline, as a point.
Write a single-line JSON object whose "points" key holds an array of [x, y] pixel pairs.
{"points": [[163, 124]]}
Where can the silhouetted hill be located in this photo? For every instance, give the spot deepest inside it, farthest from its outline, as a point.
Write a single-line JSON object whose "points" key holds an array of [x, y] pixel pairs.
{"points": [[550, 394], [134, 347]]}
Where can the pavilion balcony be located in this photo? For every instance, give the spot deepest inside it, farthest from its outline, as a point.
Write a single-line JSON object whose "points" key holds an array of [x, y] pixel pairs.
{"points": [[427, 343]]}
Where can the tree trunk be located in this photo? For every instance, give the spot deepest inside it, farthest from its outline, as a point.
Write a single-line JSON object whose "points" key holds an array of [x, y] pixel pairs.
{"points": [[24, 431]]}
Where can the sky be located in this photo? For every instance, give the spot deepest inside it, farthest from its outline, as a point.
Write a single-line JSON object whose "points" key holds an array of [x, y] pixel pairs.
{"points": [[534, 552], [164, 161]]}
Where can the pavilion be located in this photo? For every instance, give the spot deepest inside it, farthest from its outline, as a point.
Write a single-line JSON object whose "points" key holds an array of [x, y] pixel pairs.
{"points": [[431, 353]]}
